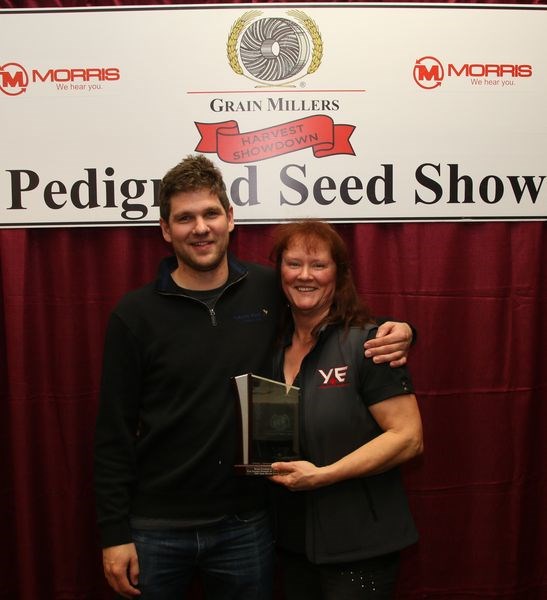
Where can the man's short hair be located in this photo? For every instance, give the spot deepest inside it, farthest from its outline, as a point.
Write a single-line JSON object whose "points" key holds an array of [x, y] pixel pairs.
{"points": [[193, 173]]}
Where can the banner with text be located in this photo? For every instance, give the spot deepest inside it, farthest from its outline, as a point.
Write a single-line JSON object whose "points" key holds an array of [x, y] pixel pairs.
{"points": [[345, 112]]}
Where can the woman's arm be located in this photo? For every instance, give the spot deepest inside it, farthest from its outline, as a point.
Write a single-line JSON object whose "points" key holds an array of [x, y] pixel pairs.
{"points": [[401, 440]]}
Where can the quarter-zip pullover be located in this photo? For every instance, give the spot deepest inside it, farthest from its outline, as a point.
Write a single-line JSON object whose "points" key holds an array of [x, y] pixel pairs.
{"points": [[166, 436]]}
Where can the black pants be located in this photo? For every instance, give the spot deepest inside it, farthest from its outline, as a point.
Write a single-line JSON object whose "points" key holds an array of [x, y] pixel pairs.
{"points": [[371, 579]]}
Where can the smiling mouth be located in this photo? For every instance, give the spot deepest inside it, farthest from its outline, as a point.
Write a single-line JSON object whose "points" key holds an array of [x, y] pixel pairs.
{"points": [[305, 289]]}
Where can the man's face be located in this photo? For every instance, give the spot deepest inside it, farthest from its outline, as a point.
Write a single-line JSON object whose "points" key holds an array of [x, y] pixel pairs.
{"points": [[199, 230]]}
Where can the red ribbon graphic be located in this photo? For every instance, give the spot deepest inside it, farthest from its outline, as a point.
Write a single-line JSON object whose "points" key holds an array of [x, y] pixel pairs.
{"points": [[317, 132]]}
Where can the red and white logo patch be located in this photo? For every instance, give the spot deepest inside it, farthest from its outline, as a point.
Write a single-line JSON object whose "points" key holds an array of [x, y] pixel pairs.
{"points": [[334, 377]]}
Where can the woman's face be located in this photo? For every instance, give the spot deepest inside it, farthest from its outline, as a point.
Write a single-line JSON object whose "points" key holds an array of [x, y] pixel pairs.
{"points": [[308, 276]]}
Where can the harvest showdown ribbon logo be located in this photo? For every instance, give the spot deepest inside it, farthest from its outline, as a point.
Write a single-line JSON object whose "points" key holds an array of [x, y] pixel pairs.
{"points": [[318, 132]]}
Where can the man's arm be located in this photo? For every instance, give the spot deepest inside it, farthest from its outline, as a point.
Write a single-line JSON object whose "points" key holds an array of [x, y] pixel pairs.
{"points": [[114, 456], [391, 344], [121, 569]]}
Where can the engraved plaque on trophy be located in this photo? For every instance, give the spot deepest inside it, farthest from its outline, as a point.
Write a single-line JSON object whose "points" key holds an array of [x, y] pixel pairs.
{"points": [[268, 419]]}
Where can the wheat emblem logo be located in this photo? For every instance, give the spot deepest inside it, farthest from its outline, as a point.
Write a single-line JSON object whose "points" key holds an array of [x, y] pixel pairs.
{"points": [[274, 51]]}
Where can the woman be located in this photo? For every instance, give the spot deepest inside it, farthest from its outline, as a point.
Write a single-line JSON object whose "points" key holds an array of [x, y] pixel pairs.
{"points": [[340, 534]]}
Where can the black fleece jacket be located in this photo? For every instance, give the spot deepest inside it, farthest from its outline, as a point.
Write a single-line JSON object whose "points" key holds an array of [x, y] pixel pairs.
{"points": [[165, 441]]}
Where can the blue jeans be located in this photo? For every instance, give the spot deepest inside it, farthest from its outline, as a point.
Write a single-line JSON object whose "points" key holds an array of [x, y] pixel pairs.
{"points": [[234, 558]]}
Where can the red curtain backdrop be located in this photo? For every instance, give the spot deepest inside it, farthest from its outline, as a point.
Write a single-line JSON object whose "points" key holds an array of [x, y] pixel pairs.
{"points": [[476, 292]]}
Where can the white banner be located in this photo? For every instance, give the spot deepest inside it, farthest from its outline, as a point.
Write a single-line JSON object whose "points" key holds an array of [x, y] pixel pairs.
{"points": [[342, 112]]}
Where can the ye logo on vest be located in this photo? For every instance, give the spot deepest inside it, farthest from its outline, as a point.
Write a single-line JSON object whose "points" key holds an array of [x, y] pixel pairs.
{"points": [[334, 377]]}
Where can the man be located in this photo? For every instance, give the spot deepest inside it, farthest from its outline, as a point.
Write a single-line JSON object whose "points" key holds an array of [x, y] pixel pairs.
{"points": [[168, 501]]}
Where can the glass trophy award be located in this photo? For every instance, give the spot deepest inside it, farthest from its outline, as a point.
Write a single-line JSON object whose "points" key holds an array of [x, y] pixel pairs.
{"points": [[268, 419]]}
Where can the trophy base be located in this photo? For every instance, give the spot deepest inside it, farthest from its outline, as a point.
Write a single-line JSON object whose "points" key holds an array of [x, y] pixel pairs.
{"points": [[263, 469]]}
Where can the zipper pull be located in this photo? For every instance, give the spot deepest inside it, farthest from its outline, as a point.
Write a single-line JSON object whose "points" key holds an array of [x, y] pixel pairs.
{"points": [[213, 316]]}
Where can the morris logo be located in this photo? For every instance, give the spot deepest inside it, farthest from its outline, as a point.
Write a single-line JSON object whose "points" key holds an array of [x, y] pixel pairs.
{"points": [[13, 79], [274, 51], [428, 72]]}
